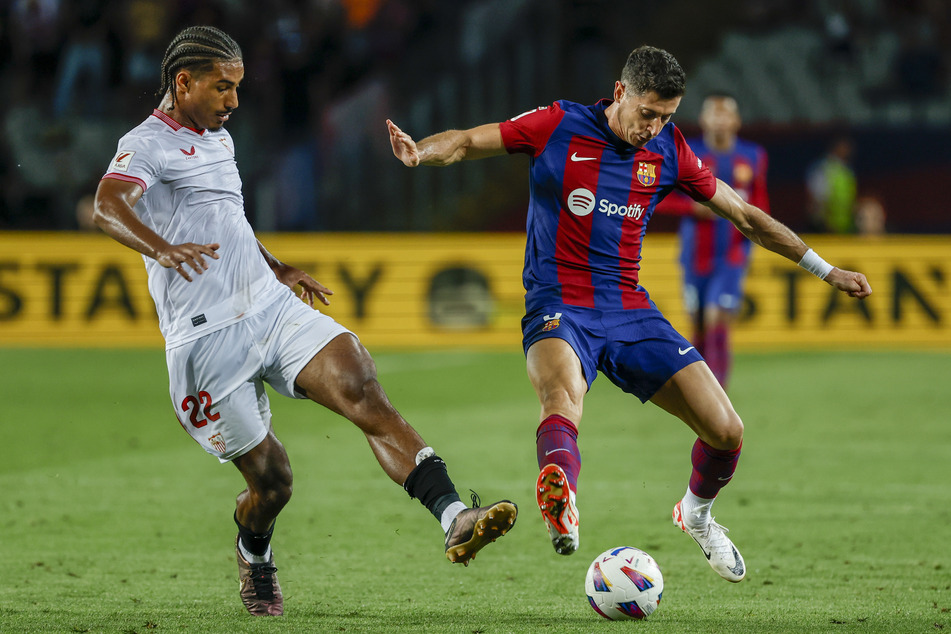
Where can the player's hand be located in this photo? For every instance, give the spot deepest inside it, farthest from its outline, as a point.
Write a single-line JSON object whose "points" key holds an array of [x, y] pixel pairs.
{"points": [[404, 147], [850, 282], [181, 256], [311, 289]]}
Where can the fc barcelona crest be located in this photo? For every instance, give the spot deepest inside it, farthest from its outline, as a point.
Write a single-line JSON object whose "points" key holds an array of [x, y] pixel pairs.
{"points": [[646, 174]]}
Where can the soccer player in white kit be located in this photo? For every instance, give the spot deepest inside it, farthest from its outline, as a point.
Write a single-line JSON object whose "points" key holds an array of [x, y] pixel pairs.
{"points": [[231, 321]]}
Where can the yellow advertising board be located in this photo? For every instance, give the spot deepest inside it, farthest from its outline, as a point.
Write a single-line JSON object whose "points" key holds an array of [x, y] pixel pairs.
{"points": [[786, 307], [464, 290]]}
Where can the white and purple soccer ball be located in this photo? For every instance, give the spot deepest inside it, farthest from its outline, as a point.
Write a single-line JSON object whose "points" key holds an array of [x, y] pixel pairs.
{"points": [[624, 583]]}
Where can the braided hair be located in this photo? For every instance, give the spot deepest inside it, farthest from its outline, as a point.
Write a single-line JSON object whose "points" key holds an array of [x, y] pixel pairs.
{"points": [[196, 48]]}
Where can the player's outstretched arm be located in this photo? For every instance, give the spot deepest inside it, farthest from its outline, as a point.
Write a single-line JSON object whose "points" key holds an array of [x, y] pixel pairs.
{"points": [[291, 276], [771, 234], [113, 214], [446, 147]]}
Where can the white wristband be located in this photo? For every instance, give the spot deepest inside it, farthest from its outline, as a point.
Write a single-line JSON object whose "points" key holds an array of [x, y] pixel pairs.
{"points": [[815, 265]]}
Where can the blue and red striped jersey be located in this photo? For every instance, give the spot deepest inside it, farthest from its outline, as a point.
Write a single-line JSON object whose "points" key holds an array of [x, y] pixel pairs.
{"points": [[707, 243], [591, 196]]}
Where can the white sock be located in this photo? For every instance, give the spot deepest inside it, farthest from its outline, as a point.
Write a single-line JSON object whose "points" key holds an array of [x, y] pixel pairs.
{"points": [[696, 510], [450, 513], [252, 558]]}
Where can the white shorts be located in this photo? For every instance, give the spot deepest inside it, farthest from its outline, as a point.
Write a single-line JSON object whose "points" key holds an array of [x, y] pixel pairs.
{"points": [[217, 382]]}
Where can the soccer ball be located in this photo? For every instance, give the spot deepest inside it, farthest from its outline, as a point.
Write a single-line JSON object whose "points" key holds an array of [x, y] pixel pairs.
{"points": [[624, 583]]}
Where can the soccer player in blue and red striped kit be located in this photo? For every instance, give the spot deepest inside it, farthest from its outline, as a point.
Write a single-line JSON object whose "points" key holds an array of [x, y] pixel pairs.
{"points": [[597, 173], [714, 255]]}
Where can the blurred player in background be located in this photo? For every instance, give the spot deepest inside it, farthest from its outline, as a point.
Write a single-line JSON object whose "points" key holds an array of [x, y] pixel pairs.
{"points": [[714, 255], [832, 188], [597, 173], [231, 321]]}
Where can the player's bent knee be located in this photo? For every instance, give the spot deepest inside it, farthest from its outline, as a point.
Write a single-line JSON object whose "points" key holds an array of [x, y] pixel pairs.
{"points": [[276, 497], [273, 487], [362, 390], [728, 435], [562, 400]]}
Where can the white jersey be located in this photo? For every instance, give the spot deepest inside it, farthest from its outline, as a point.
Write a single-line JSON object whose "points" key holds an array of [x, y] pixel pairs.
{"points": [[192, 193]]}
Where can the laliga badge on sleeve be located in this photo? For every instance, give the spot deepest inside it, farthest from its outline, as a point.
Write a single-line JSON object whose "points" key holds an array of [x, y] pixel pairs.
{"points": [[121, 162]]}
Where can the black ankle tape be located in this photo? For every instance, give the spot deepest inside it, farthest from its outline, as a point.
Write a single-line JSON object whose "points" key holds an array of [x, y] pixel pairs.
{"points": [[254, 543], [429, 483]]}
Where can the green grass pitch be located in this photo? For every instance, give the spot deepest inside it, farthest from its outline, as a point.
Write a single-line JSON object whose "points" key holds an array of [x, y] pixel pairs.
{"points": [[113, 520]]}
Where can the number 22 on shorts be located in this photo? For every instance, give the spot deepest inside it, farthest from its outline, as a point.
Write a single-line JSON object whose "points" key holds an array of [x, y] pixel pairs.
{"points": [[203, 405]]}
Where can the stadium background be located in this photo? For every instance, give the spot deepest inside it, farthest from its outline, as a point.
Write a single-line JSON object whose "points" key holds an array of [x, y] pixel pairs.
{"points": [[431, 257]]}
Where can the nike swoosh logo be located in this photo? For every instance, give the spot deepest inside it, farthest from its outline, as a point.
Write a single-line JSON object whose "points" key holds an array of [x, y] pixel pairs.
{"points": [[702, 549], [725, 479], [548, 453], [576, 158], [737, 568], [683, 352]]}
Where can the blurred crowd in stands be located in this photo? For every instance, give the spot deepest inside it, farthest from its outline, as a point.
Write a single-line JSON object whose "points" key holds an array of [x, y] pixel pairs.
{"points": [[322, 75], [77, 74], [919, 65]]}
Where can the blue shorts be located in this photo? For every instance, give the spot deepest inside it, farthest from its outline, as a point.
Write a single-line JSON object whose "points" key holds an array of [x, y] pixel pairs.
{"points": [[723, 289], [638, 350]]}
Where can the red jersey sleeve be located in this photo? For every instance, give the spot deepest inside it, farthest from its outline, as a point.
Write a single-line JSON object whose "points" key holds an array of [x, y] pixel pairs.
{"points": [[758, 195], [676, 204], [693, 177], [529, 132]]}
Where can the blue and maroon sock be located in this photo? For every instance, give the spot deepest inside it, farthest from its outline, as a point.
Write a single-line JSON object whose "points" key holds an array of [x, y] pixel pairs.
{"points": [[712, 468], [556, 442]]}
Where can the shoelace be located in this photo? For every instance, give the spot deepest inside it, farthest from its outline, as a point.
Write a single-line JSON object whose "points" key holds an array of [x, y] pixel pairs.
{"points": [[476, 500], [722, 543], [262, 578]]}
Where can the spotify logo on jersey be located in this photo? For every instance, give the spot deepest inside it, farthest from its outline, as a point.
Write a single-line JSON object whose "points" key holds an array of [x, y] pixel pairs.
{"points": [[581, 202]]}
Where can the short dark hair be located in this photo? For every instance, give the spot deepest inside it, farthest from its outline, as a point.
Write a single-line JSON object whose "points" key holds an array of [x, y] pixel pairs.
{"points": [[650, 69], [196, 48]]}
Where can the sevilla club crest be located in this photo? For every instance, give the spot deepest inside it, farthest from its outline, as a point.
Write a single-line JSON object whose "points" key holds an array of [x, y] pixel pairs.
{"points": [[218, 442]]}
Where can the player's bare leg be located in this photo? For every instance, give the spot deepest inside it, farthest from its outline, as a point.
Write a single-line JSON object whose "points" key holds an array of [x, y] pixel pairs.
{"points": [[267, 472], [695, 396], [556, 374], [342, 377]]}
